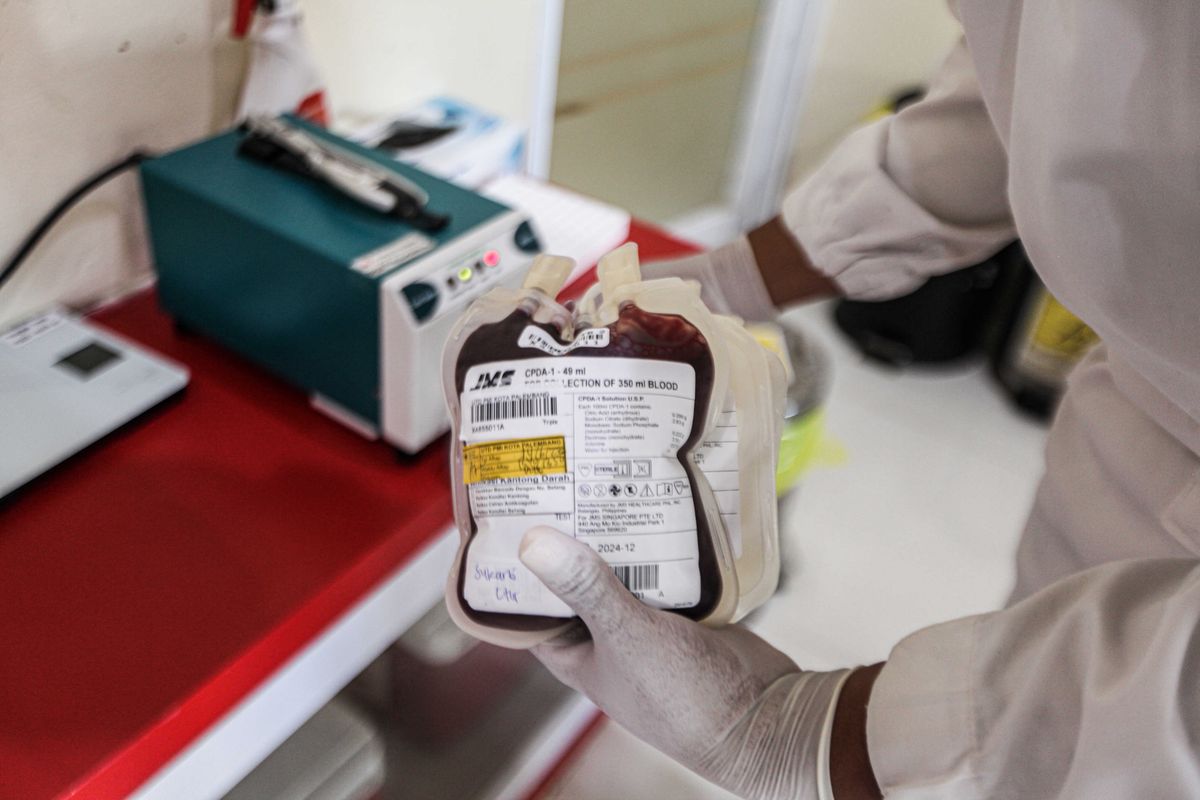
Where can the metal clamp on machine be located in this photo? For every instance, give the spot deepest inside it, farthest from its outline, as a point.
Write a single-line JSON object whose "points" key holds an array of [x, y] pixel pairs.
{"points": [[346, 283], [274, 141]]}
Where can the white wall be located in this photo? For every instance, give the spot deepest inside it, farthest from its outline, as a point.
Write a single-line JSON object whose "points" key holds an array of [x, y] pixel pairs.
{"points": [[867, 50], [379, 56], [649, 100], [81, 84]]}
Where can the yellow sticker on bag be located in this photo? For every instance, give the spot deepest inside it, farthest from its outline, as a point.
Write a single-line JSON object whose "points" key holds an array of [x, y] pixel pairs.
{"points": [[514, 458]]}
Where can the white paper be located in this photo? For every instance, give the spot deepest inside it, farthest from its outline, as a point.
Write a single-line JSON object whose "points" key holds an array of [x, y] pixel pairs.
{"points": [[568, 224]]}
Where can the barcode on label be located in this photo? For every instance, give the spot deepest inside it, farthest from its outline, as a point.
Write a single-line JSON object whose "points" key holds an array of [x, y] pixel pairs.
{"points": [[638, 577], [529, 405]]}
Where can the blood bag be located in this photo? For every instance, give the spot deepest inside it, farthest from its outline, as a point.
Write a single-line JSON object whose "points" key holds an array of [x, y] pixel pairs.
{"points": [[638, 422]]}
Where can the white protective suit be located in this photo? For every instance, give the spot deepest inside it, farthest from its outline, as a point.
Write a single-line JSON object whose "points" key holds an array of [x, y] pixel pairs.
{"points": [[1076, 125]]}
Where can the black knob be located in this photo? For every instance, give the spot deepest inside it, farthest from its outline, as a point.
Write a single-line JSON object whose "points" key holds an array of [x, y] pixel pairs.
{"points": [[422, 298], [525, 239]]}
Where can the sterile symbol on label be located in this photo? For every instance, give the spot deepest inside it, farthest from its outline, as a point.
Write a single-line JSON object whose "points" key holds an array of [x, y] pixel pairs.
{"points": [[617, 469], [585, 490], [585, 469], [630, 490], [490, 380], [641, 469], [646, 492], [614, 490]]}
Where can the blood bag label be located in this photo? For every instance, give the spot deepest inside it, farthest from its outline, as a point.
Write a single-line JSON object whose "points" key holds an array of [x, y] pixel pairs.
{"points": [[537, 338], [514, 458], [617, 425]]}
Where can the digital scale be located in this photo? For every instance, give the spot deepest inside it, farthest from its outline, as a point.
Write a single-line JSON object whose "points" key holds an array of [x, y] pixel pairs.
{"points": [[64, 385]]}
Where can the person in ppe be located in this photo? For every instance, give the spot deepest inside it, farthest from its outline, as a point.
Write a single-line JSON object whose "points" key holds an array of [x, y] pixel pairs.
{"points": [[1074, 125]]}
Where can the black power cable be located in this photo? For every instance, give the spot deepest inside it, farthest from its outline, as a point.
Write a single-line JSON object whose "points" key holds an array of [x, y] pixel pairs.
{"points": [[63, 206]]}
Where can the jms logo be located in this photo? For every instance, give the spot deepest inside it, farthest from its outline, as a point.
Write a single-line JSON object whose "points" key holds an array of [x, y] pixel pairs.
{"points": [[490, 380]]}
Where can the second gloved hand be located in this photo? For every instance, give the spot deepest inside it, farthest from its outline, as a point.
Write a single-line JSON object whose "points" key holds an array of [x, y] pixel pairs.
{"points": [[724, 703], [729, 279]]}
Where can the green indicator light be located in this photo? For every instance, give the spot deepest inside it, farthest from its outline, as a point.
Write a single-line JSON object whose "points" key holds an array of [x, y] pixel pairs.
{"points": [[465, 274]]}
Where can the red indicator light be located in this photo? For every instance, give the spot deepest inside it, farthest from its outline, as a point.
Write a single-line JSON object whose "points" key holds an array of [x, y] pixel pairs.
{"points": [[491, 258]]}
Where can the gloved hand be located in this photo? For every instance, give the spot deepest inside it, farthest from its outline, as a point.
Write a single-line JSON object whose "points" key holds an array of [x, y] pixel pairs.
{"points": [[729, 279], [724, 703]]}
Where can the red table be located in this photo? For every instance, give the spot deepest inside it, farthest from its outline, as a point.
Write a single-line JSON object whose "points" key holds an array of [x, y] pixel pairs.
{"points": [[148, 586]]}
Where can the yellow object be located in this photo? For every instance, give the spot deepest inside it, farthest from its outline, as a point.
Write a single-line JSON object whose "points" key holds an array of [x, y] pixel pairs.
{"points": [[1060, 332], [514, 458], [803, 446], [879, 112]]}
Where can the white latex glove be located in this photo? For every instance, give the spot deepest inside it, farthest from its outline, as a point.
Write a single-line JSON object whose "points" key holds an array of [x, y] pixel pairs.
{"points": [[729, 279], [723, 703]]}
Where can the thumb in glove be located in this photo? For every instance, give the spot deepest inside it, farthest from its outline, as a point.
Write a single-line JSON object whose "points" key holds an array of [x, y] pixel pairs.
{"points": [[722, 702]]}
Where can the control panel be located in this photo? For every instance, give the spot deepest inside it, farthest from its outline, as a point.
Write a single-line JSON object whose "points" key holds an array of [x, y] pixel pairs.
{"points": [[462, 278]]}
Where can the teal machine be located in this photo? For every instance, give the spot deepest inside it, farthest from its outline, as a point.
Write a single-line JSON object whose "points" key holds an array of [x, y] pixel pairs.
{"points": [[330, 264]]}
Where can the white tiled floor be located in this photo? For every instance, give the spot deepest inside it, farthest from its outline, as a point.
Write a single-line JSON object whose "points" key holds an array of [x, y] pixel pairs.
{"points": [[918, 525]]}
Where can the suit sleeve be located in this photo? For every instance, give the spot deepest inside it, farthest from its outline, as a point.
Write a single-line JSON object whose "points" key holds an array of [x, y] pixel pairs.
{"points": [[917, 194], [1088, 688]]}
